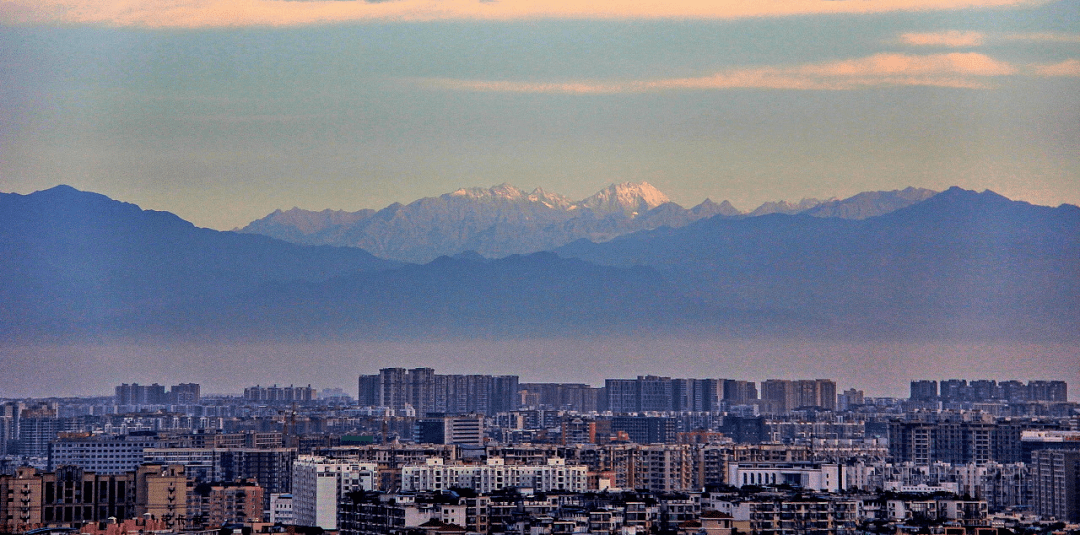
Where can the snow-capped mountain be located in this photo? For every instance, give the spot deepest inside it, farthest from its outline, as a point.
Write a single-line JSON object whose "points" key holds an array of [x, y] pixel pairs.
{"points": [[504, 220], [507, 192], [79, 265], [628, 198], [496, 222]]}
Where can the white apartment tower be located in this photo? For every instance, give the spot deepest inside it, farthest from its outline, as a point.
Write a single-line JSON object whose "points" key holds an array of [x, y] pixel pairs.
{"points": [[319, 482]]}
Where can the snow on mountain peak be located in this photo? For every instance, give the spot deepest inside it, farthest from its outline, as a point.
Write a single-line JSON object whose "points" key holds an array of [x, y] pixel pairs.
{"points": [[625, 197], [502, 191], [551, 200]]}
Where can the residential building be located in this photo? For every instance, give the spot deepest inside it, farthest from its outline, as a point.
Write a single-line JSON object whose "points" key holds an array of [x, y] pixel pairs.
{"points": [[319, 482], [494, 475], [103, 454], [1056, 484]]}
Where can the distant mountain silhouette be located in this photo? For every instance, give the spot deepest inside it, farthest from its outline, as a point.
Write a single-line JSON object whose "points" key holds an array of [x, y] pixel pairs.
{"points": [[463, 297], [71, 259], [959, 264], [505, 220], [869, 203]]}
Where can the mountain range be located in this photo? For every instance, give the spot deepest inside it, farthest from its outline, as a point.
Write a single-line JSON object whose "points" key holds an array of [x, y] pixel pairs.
{"points": [[505, 220], [71, 261], [958, 264]]}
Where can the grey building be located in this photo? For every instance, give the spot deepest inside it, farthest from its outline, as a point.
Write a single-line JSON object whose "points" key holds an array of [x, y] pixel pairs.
{"points": [[1056, 476]]}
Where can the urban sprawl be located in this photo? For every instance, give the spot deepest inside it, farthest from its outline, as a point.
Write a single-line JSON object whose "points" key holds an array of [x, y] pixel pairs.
{"points": [[421, 453]]}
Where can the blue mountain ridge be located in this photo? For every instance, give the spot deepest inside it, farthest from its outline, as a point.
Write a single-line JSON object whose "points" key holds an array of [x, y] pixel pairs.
{"points": [[960, 264]]}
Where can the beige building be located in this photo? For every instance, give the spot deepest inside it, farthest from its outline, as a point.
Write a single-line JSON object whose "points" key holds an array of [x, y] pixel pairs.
{"points": [[71, 496], [162, 491]]}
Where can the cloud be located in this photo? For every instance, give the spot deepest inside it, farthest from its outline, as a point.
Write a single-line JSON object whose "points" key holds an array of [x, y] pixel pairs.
{"points": [[1047, 37], [967, 70], [951, 38], [1069, 67], [228, 13]]}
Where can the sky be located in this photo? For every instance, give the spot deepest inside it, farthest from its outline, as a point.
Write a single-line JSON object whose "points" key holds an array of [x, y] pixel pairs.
{"points": [[222, 111]]}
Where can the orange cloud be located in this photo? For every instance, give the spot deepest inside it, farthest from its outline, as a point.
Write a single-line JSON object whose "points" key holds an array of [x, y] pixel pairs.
{"points": [[1069, 67], [969, 71], [226, 13], [951, 38]]}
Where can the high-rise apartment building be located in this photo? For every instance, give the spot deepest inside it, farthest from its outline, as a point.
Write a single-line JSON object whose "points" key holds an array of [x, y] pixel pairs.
{"points": [[650, 393], [958, 442], [427, 392], [739, 392], [9, 426], [955, 390], [185, 394], [136, 394], [320, 482], [562, 396], [1056, 482], [1048, 391], [275, 393], [983, 390], [38, 426], [622, 395], [646, 429], [850, 398], [695, 395], [781, 396], [924, 390], [270, 467]]}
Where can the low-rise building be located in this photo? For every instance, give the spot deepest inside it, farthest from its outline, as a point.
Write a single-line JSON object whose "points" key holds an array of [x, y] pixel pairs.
{"points": [[810, 476], [494, 475]]}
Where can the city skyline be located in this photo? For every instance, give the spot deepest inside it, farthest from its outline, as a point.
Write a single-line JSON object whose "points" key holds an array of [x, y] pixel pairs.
{"points": [[559, 268], [649, 451], [159, 392]]}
